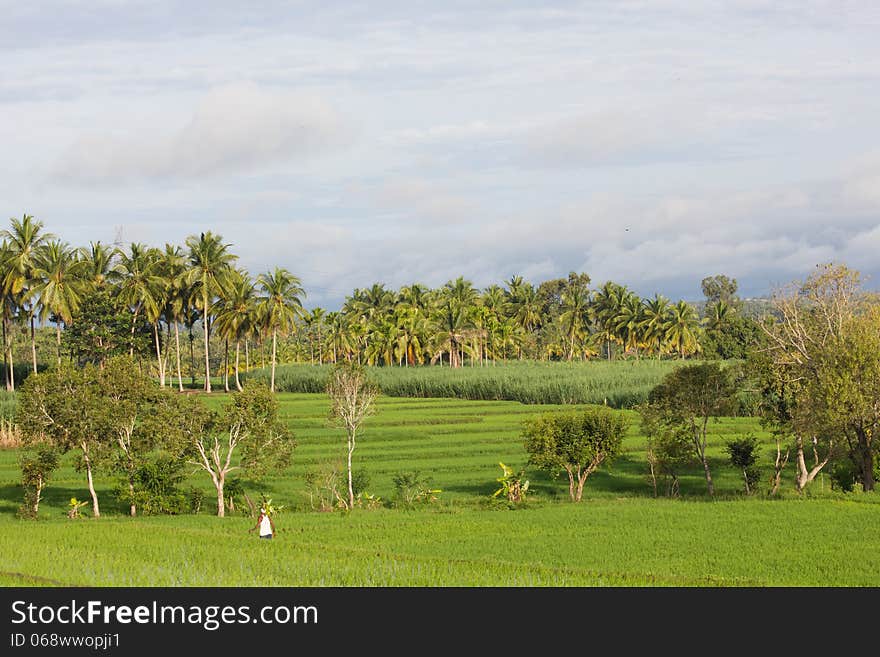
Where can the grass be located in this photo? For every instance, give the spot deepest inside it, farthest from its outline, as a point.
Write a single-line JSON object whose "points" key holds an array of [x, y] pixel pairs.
{"points": [[619, 384], [619, 535]]}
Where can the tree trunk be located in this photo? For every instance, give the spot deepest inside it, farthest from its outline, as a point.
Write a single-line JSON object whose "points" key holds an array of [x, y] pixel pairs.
{"points": [[192, 357], [58, 339], [709, 485], [274, 345], [746, 480], [7, 356], [132, 509], [805, 476], [179, 371], [134, 319], [96, 511], [38, 496], [350, 486], [247, 356], [7, 366], [226, 365], [221, 506], [866, 460], [207, 357], [237, 380], [33, 344], [159, 362]]}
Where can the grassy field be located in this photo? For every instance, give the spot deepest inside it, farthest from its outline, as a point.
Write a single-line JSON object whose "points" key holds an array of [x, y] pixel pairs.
{"points": [[619, 535], [620, 384]]}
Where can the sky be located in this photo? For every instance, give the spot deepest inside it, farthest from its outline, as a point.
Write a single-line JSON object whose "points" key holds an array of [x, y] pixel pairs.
{"points": [[648, 142]]}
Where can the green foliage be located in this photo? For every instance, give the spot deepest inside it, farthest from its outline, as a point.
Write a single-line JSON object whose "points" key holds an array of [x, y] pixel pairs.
{"points": [[266, 443], [37, 467], [413, 489], [743, 456], [734, 339], [73, 508], [684, 402], [574, 442], [513, 486], [101, 328], [325, 488], [618, 384], [669, 452], [272, 510], [156, 488]]}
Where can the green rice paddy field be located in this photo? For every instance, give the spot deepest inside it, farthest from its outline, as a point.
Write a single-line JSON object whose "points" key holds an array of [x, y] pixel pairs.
{"points": [[619, 534]]}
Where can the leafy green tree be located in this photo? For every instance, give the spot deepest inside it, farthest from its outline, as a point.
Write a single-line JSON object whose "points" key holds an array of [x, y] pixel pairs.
{"points": [[685, 401], [804, 333], [247, 437], [743, 456], [100, 329], [574, 442], [37, 467], [721, 289], [668, 452], [63, 406], [845, 393]]}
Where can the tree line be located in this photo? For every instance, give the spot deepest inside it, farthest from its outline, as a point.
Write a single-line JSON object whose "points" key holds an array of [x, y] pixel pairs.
{"points": [[138, 299]]}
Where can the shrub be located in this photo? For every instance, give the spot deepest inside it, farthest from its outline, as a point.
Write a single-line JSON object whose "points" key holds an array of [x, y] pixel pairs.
{"points": [[413, 488]]}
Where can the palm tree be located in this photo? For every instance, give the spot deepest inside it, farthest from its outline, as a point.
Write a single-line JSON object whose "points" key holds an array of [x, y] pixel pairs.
{"points": [[606, 307], [682, 328], [60, 283], [575, 308], [25, 238], [655, 314], [627, 324], [718, 316], [173, 269], [141, 287], [235, 313], [526, 307], [7, 310], [282, 305], [97, 261], [210, 263], [451, 323], [317, 316]]}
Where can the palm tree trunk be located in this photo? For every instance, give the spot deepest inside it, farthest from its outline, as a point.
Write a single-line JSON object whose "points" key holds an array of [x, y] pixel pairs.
{"points": [[192, 357], [10, 377], [207, 357], [58, 339], [33, 345], [274, 343], [226, 365], [134, 319], [177, 342], [159, 355], [247, 358], [237, 350]]}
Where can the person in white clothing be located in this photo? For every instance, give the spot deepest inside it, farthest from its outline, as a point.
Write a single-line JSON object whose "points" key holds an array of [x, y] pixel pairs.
{"points": [[264, 524]]}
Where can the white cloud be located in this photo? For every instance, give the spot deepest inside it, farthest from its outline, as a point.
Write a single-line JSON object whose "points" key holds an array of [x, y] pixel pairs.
{"points": [[238, 127]]}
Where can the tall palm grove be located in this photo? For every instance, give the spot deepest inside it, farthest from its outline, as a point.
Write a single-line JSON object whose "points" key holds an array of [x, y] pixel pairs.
{"points": [[191, 314]]}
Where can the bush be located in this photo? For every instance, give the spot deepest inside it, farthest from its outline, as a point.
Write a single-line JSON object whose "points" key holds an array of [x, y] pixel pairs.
{"points": [[412, 489], [156, 489]]}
